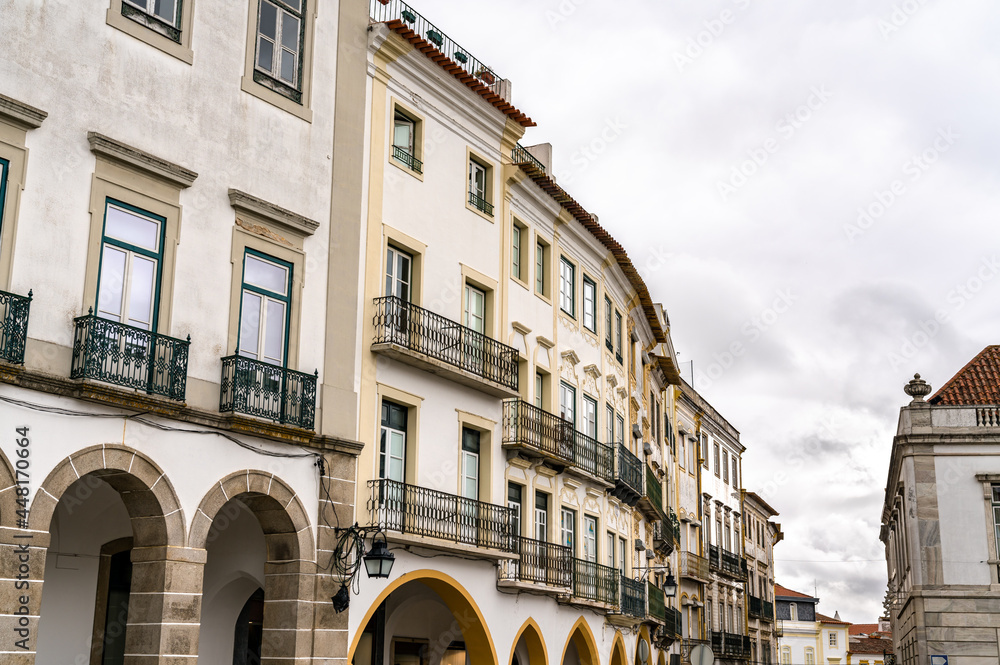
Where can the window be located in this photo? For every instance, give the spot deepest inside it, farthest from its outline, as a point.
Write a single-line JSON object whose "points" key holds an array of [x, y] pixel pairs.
{"points": [[280, 34], [470, 463], [392, 444], [610, 423], [398, 274], [786, 655], [622, 559], [264, 308], [4, 169], [996, 513], [619, 429], [479, 187], [727, 539], [567, 403], [810, 656], [704, 450], [567, 529], [163, 16], [725, 467], [833, 639], [589, 305], [514, 492], [515, 252], [618, 336], [718, 464], [475, 309], [406, 131], [682, 456], [131, 260], [608, 330], [567, 287], [590, 417], [163, 24], [589, 538], [736, 475], [793, 612], [539, 390], [541, 269], [610, 547], [541, 516]]}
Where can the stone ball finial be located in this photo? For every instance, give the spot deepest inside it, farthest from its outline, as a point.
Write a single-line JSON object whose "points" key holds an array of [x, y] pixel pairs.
{"points": [[917, 388]]}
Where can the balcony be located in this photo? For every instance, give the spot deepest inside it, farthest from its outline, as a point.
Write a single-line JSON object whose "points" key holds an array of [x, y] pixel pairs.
{"points": [[418, 511], [633, 598], [651, 501], [663, 538], [657, 603], [13, 326], [129, 357], [593, 458], [267, 391], [536, 432], [480, 204], [727, 563], [522, 157], [672, 627], [595, 583], [540, 563], [421, 338], [628, 476], [695, 567], [730, 645], [760, 609], [411, 162]]}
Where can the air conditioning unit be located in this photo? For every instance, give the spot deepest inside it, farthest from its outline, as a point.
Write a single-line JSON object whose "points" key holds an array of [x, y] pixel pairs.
{"points": [[646, 358], [637, 431], [647, 448], [639, 545]]}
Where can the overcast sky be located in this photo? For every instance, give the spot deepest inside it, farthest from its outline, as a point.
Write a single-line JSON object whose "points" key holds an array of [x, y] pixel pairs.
{"points": [[811, 182]]}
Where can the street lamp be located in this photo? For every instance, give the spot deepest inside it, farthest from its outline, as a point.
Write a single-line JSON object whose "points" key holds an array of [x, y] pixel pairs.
{"points": [[379, 560], [350, 553], [670, 586]]}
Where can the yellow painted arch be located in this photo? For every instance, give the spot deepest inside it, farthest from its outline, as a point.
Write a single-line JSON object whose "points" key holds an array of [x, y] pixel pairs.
{"points": [[532, 633], [586, 646], [478, 641], [662, 660], [644, 637], [618, 656]]}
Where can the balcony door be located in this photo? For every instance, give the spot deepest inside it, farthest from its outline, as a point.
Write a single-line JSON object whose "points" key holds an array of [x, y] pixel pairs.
{"points": [[468, 513], [398, 284], [131, 258], [392, 465], [473, 343], [590, 582]]}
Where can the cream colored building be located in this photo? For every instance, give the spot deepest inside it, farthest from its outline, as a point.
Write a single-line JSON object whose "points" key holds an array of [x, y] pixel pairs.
{"points": [[760, 535]]}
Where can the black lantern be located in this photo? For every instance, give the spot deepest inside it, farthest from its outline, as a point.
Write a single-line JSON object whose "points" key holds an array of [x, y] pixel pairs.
{"points": [[670, 586], [379, 560]]}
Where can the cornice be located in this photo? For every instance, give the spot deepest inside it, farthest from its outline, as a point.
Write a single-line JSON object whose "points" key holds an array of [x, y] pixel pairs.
{"points": [[21, 114], [109, 148], [285, 219]]}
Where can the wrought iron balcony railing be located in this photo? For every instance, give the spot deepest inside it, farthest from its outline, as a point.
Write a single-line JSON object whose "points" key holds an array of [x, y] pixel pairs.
{"points": [[651, 502], [596, 582], [753, 606], [268, 391], [593, 457], [663, 538], [383, 11], [130, 357], [419, 511], [760, 609], [421, 331], [657, 603], [673, 625], [411, 162], [13, 326], [694, 566], [727, 563], [480, 204], [633, 598], [529, 427], [730, 644], [539, 563], [628, 476], [520, 155]]}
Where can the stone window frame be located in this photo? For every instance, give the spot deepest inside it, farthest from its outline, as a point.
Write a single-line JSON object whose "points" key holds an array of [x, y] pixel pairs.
{"points": [[485, 427], [490, 175], [987, 480], [273, 231], [412, 402], [135, 177], [16, 120], [248, 85], [398, 107], [180, 49], [489, 287], [416, 249]]}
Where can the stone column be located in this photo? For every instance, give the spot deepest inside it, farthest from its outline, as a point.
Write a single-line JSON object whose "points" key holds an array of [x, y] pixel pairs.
{"points": [[22, 571]]}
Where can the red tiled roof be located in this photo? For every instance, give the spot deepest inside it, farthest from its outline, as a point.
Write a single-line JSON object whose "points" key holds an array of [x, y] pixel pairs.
{"points": [[862, 628], [869, 645], [976, 383], [825, 619], [782, 591], [453, 68]]}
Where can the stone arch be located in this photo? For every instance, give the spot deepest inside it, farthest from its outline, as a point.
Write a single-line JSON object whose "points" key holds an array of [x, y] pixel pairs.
{"points": [[532, 634], [8, 497], [478, 640], [583, 638], [148, 495], [618, 654], [282, 517]]}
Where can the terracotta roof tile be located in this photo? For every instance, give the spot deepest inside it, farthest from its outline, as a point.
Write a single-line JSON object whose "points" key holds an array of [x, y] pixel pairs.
{"points": [[825, 619], [782, 591], [870, 645], [862, 628], [976, 383]]}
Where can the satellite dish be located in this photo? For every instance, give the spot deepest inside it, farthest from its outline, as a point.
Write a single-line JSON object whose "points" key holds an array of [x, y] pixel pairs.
{"points": [[702, 655]]}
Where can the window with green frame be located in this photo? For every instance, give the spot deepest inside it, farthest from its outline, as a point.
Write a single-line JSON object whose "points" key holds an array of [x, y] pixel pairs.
{"points": [[265, 301], [128, 283]]}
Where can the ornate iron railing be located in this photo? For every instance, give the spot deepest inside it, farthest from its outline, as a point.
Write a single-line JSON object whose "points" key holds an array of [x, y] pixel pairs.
{"points": [[657, 602], [412, 163], [633, 599], [767, 611], [14, 311], [673, 625], [760, 609], [527, 425], [726, 562], [594, 457], [481, 204], [396, 506], [130, 357], [694, 566], [540, 562], [654, 493], [520, 155], [754, 606], [629, 471], [268, 391], [730, 644], [383, 11], [596, 582], [417, 329]]}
